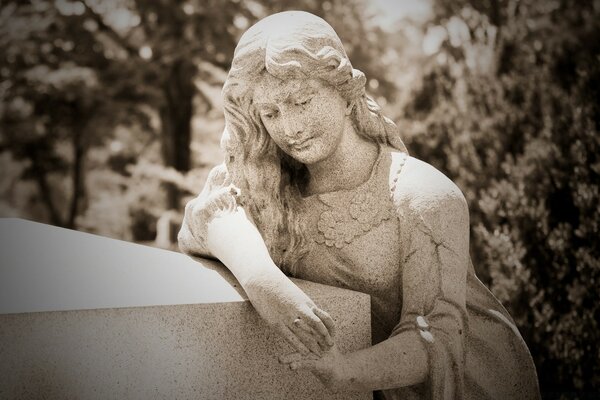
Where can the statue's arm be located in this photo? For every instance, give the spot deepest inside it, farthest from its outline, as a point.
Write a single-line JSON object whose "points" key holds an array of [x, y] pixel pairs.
{"points": [[428, 342], [198, 212], [214, 225]]}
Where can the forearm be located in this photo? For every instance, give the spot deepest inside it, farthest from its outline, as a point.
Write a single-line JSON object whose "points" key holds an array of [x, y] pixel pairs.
{"points": [[396, 362], [236, 242]]}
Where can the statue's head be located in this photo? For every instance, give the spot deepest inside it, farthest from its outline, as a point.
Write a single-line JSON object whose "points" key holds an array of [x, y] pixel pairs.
{"points": [[292, 58], [299, 45], [295, 46]]}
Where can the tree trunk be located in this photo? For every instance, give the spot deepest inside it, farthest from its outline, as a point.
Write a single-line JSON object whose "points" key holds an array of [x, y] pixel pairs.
{"points": [[79, 150], [46, 193], [176, 118]]}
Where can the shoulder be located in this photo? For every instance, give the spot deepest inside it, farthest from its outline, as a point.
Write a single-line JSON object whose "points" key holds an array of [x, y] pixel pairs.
{"points": [[420, 182], [420, 190]]}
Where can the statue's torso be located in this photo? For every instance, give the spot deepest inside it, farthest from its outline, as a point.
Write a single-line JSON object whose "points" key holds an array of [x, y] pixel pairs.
{"points": [[354, 243]]}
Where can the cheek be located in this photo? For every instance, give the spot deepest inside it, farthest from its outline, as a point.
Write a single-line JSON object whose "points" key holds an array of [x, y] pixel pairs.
{"points": [[322, 115], [332, 110], [329, 121], [274, 131]]}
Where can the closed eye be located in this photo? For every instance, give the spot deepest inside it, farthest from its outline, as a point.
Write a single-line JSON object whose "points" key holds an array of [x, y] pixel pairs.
{"points": [[269, 114], [304, 102]]}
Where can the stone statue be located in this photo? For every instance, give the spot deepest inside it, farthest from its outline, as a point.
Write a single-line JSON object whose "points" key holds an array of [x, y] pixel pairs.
{"points": [[318, 185]]}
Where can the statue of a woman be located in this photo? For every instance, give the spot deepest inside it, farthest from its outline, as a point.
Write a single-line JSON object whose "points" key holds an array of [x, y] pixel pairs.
{"points": [[318, 185]]}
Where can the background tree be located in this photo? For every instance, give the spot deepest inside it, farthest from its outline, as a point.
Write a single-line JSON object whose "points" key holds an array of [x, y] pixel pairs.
{"points": [[47, 111], [81, 70], [102, 100], [508, 108]]}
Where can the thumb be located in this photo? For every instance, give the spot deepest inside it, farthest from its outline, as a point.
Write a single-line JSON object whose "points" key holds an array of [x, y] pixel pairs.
{"points": [[304, 364]]}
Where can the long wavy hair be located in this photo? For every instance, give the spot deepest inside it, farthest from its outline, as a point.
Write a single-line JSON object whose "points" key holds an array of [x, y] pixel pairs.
{"points": [[287, 45]]}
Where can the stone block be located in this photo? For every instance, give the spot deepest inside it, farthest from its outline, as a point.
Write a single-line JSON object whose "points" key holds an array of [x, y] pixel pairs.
{"points": [[83, 316]]}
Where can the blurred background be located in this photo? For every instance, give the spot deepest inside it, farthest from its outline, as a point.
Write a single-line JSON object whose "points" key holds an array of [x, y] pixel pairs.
{"points": [[110, 118]]}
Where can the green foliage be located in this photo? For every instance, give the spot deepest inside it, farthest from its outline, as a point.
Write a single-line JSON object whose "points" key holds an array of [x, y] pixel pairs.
{"points": [[518, 132]]}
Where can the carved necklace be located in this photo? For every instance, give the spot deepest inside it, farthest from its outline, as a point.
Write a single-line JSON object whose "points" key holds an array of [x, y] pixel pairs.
{"points": [[353, 213]]}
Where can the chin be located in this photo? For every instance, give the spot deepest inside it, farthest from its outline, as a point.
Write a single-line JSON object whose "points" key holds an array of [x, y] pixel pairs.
{"points": [[308, 159], [310, 156]]}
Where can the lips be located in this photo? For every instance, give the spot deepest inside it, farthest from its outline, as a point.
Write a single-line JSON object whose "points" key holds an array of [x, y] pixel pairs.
{"points": [[301, 144]]}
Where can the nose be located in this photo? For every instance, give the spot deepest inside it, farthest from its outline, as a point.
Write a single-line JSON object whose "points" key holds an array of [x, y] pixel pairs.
{"points": [[292, 124]]}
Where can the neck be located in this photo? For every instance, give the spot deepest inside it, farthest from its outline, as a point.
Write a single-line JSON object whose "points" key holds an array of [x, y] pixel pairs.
{"points": [[348, 167]]}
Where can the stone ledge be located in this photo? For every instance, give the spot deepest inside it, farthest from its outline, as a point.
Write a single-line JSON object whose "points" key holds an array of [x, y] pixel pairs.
{"points": [[82, 316]]}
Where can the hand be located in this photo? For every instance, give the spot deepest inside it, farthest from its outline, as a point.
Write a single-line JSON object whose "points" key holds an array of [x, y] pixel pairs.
{"points": [[330, 369], [219, 202], [202, 210], [291, 312]]}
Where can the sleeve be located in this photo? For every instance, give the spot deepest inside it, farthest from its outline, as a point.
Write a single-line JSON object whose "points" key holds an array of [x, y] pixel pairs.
{"points": [[435, 232], [198, 213]]}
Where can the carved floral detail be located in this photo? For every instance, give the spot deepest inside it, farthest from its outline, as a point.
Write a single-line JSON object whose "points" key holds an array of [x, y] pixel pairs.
{"points": [[352, 213], [342, 223]]}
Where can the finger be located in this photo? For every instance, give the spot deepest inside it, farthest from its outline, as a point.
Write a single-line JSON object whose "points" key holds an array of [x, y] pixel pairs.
{"points": [[223, 203], [229, 201], [301, 324], [304, 364], [199, 218], [217, 204], [189, 208], [295, 356], [308, 339], [315, 323], [329, 324], [220, 194], [234, 190], [196, 212], [291, 338], [231, 204], [327, 320], [289, 358]]}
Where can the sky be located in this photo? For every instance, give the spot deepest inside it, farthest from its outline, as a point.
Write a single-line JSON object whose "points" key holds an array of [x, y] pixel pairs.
{"points": [[390, 11]]}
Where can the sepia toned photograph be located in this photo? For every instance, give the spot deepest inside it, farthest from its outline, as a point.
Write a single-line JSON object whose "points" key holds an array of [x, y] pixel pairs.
{"points": [[299, 199]]}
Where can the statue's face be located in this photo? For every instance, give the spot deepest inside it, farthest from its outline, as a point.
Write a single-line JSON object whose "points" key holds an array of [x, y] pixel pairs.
{"points": [[305, 117]]}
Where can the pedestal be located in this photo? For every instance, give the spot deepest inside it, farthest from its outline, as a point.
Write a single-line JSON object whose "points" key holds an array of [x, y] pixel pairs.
{"points": [[83, 316]]}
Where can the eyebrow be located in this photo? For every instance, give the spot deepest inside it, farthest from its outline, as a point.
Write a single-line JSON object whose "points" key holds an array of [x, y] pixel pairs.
{"points": [[304, 91], [296, 91], [264, 105]]}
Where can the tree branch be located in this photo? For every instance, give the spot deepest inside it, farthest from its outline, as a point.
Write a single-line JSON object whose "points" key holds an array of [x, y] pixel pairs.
{"points": [[107, 29]]}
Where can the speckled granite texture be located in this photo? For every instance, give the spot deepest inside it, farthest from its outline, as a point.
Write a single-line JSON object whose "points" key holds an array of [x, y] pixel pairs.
{"points": [[82, 316]]}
